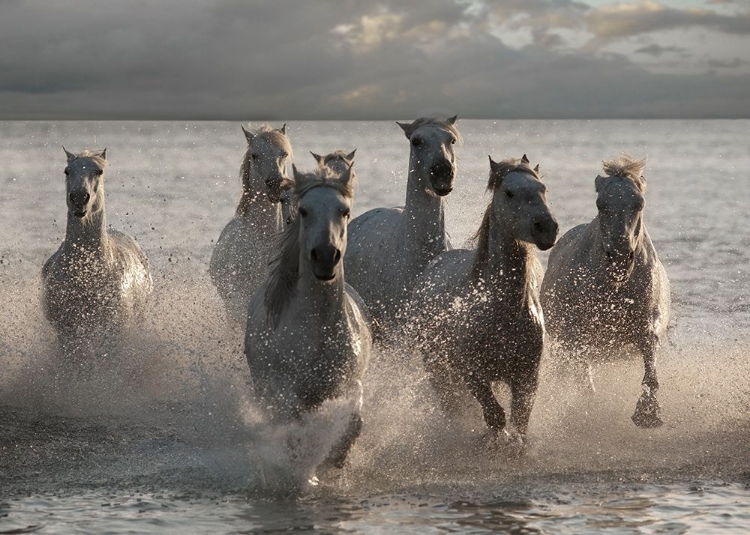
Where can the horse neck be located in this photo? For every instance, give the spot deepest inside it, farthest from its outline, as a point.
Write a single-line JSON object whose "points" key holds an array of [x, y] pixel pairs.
{"points": [[423, 219], [507, 264], [323, 301], [88, 234], [255, 208]]}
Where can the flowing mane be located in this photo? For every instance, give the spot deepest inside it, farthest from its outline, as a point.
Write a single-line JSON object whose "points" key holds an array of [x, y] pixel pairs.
{"points": [[481, 238], [284, 273], [626, 166], [264, 131]]}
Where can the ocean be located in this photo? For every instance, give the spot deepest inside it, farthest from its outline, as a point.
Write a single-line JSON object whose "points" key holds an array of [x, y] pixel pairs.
{"points": [[162, 435]]}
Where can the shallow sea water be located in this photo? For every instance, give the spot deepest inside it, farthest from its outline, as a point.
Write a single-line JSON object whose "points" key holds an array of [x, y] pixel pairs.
{"points": [[161, 435]]}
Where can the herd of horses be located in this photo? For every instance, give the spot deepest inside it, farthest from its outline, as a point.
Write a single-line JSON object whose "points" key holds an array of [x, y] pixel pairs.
{"points": [[315, 290]]}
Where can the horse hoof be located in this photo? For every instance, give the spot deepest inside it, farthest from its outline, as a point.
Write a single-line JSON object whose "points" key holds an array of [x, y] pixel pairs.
{"points": [[647, 413]]}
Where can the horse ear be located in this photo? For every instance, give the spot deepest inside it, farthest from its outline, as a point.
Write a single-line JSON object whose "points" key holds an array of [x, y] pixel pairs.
{"points": [[318, 158], [350, 156], [493, 164], [536, 168], [524, 159], [452, 120], [348, 176], [295, 173], [248, 135], [283, 129], [599, 182], [70, 155], [103, 154], [404, 127]]}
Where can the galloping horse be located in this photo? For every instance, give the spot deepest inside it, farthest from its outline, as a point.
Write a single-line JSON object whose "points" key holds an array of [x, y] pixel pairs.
{"points": [[477, 313], [605, 287], [99, 280], [308, 333], [389, 247], [239, 262]]}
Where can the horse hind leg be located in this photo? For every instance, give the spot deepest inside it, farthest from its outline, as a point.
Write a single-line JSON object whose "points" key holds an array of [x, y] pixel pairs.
{"points": [[647, 413]]}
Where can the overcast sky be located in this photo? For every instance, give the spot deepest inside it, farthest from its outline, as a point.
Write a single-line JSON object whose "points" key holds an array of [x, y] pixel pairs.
{"points": [[367, 59]]}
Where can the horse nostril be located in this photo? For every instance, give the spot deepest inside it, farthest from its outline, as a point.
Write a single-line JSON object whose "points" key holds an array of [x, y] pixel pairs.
{"points": [[630, 256], [336, 256], [86, 198], [72, 198], [314, 255], [539, 226]]}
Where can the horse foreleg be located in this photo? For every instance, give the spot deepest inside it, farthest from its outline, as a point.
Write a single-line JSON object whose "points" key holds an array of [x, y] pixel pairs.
{"points": [[523, 400], [494, 415], [340, 450], [647, 411]]}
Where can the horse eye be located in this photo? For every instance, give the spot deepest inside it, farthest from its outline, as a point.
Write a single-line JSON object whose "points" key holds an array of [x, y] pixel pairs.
{"points": [[345, 213], [509, 194], [453, 141], [302, 212], [416, 142], [284, 154], [254, 156], [67, 171], [98, 172]]}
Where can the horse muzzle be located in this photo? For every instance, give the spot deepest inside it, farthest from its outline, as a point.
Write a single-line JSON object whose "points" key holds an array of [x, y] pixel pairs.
{"points": [[323, 260], [441, 178], [545, 233]]}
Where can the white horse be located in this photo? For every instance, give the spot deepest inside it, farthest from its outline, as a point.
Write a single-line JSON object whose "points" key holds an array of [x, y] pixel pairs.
{"points": [[308, 333], [389, 247], [605, 287], [338, 161], [477, 313], [239, 262], [99, 280]]}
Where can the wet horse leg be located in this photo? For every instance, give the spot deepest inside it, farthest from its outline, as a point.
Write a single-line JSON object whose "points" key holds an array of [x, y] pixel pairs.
{"points": [[445, 383], [340, 450], [494, 415], [647, 411], [523, 393]]}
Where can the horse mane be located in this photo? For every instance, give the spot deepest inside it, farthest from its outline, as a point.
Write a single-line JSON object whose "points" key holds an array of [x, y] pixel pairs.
{"points": [[264, 131], [282, 279], [411, 128], [626, 166], [96, 156], [498, 172]]}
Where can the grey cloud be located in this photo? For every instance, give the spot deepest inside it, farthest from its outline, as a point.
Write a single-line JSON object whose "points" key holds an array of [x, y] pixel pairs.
{"points": [[658, 50], [610, 23], [320, 60]]}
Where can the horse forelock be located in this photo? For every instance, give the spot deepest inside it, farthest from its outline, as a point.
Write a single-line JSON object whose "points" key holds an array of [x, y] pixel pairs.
{"points": [[422, 121], [512, 165], [626, 166], [94, 156], [321, 178]]}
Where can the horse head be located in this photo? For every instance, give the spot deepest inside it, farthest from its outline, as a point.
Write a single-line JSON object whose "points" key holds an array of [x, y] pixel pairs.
{"points": [[620, 202], [338, 162], [266, 159], [324, 204], [519, 202], [432, 159], [84, 180]]}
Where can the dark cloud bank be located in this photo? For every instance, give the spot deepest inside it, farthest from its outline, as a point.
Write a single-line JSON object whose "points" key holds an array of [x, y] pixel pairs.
{"points": [[296, 59]]}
